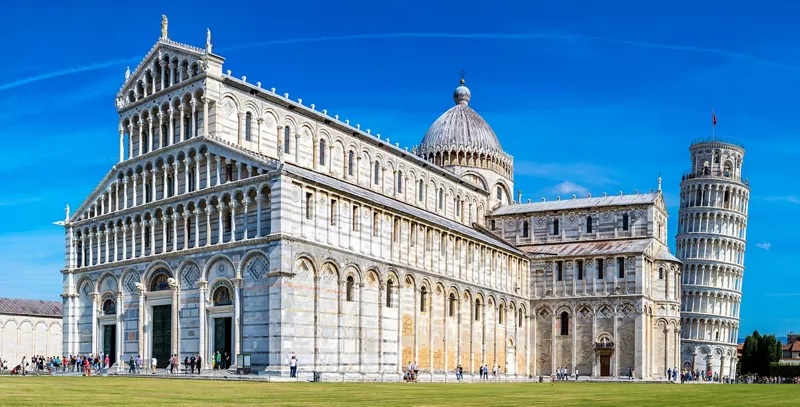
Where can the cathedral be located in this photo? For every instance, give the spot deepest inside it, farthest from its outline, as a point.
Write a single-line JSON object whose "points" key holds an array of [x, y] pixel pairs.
{"points": [[241, 221]]}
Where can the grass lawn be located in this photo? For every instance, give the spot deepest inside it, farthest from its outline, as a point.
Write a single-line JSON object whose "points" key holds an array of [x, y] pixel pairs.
{"points": [[106, 391]]}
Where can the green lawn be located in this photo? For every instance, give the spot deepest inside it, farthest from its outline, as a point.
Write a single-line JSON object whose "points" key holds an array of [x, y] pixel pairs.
{"points": [[106, 391]]}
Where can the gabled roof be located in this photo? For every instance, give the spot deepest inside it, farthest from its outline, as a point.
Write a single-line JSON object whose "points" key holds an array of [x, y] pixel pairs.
{"points": [[161, 44], [578, 203], [599, 248], [380, 200], [37, 308]]}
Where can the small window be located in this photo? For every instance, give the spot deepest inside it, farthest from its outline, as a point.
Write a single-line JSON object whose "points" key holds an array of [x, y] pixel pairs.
{"points": [[421, 193], [109, 307], [148, 193], [520, 318], [499, 193], [453, 304], [564, 323], [501, 315], [423, 300], [525, 229], [560, 271], [350, 286], [147, 236], [287, 140], [222, 296], [491, 224], [389, 293], [351, 162], [588, 224], [334, 211], [441, 198], [377, 173], [601, 268], [248, 126], [170, 186], [579, 266], [322, 152], [190, 187], [621, 267], [376, 227], [478, 310], [169, 232], [355, 218], [309, 205], [228, 218], [624, 221], [555, 227], [413, 233], [399, 182], [229, 173], [396, 231], [661, 273]]}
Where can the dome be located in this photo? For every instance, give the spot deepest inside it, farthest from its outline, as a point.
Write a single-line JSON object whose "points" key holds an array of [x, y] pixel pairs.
{"points": [[460, 129]]}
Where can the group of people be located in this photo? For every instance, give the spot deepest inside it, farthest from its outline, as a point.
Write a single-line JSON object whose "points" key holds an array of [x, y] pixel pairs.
{"points": [[49, 364], [696, 375], [562, 373], [194, 363]]}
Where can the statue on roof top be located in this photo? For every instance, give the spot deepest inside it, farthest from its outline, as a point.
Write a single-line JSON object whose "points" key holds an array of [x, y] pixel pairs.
{"points": [[208, 40], [164, 24]]}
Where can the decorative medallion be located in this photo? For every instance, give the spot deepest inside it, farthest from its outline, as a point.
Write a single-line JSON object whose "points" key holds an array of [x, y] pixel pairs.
{"points": [[585, 312], [548, 266], [627, 310], [605, 311], [110, 284], [590, 263], [572, 218], [640, 213], [544, 313], [189, 276], [257, 267], [568, 264], [540, 221], [221, 269], [606, 216], [228, 109], [631, 261], [130, 282]]}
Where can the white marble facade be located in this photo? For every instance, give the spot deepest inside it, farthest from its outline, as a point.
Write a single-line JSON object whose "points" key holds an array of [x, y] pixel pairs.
{"points": [[240, 219], [29, 328]]}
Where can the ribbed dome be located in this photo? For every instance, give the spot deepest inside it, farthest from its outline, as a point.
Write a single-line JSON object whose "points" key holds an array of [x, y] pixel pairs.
{"points": [[460, 128]]}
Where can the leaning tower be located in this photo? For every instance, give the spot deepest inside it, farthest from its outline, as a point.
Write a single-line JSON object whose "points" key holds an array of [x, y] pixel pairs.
{"points": [[712, 224]]}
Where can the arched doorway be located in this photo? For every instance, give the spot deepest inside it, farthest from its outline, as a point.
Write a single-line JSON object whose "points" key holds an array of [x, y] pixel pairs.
{"points": [[220, 314], [160, 297]]}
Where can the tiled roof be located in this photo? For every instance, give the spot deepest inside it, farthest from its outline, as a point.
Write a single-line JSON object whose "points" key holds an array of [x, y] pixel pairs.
{"points": [[39, 308], [578, 203], [381, 200], [606, 247], [664, 254]]}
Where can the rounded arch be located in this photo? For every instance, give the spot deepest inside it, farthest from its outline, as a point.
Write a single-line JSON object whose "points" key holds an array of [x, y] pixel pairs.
{"points": [[220, 292], [107, 282], [188, 274], [214, 261], [255, 262], [154, 267]]}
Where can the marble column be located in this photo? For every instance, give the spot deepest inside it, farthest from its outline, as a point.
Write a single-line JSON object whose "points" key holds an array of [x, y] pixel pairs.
{"points": [[140, 323], [120, 354], [173, 285], [203, 287], [237, 312], [95, 300]]}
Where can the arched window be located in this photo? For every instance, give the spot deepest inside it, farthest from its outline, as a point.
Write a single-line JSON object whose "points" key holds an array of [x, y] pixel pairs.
{"points": [[396, 230], [661, 273], [520, 318], [441, 198], [351, 158], [389, 292], [588, 224], [376, 177], [248, 126], [350, 285], [222, 296], [399, 182], [287, 139], [376, 224], [322, 152], [525, 228], [453, 304], [624, 221], [423, 299], [555, 227], [355, 218], [501, 315], [499, 193], [160, 282], [109, 307], [564, 323], [190, 187], [421, 193], [478, 310]]}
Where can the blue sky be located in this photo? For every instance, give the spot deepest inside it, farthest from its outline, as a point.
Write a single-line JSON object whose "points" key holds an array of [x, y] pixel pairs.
{"points": [[585, 97]]}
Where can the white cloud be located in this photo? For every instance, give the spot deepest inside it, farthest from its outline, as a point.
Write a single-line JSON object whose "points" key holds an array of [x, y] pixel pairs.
{"points": [[567, 187], [764, 245]]}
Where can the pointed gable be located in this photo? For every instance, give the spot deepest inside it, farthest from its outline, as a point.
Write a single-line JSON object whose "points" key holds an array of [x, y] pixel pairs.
{"points": [[167, 63]]}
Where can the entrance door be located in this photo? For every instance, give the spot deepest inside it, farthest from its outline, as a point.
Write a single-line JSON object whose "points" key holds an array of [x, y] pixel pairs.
{"points": [[605, 365], [162, 334], [110, 343], [511, 360], [222, 338]]}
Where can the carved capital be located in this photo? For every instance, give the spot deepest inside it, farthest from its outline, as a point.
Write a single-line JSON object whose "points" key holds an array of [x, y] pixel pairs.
{"points": [[237, 282]]}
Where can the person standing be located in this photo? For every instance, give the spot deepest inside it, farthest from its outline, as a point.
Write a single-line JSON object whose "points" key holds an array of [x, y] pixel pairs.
{"points": [[199, 363], [293, 367], [217, 360], [192, 361], [153, 364], [131, 366]]}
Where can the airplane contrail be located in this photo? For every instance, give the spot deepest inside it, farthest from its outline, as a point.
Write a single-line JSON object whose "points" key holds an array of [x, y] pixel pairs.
{"points": [[67, 71], [517, 37], [434, 35]]}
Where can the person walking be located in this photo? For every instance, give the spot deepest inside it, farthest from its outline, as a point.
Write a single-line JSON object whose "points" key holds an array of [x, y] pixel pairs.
{"points": [[293, 367], [192, 361], [153, 364], [217, 360]]}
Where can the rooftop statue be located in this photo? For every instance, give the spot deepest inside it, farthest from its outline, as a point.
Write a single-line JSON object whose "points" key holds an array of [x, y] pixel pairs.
{"points": [[164, 24]]}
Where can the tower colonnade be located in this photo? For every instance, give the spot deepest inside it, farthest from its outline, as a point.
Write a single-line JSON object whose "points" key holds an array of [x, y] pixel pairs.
{"points": [[711, 242]]}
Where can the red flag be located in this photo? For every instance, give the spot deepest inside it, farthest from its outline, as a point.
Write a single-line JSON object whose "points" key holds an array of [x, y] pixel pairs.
{"points": [[713, 118]]}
